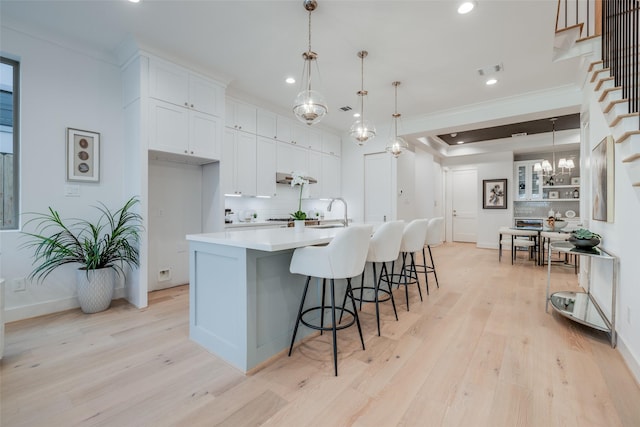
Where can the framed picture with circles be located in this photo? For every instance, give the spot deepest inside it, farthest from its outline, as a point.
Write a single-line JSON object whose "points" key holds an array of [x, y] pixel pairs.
{"points": [[83, 155]]}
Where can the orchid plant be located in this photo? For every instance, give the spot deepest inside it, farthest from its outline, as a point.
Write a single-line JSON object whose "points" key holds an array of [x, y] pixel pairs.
{"points": [[298, 179]]}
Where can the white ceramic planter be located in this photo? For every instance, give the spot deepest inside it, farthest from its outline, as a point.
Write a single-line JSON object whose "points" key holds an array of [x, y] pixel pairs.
{"points": [[298, 225], [95, 290]]}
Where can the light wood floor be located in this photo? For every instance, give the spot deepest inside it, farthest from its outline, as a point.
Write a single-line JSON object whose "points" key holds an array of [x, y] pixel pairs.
{"points": [[479, 351]]}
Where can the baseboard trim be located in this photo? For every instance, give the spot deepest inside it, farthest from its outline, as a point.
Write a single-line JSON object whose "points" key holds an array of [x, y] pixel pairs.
{"points": [[48, 307], [629, 359]]}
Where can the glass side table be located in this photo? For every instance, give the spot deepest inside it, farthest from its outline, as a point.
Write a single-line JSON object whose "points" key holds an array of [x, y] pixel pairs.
{"points": [[582, 307]]}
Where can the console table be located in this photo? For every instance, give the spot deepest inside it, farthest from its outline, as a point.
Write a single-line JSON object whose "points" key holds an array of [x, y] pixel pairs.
{"points": [[582, 307]]}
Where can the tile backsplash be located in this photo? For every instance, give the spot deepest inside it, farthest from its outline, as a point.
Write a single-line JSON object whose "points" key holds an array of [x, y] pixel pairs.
{"points": [[541, 209]]}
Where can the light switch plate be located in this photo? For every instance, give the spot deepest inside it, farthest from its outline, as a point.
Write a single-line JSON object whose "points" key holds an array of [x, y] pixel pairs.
{"points": [[72, 190]]}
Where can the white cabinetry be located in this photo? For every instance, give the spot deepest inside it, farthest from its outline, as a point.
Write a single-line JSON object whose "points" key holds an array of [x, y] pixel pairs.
{"points": [[240, 116], [314, 170], [267, 124], [291, 158], [314, 139], [528, 184], [185, 112], [331, 144], [238, 166], [266, 167], [177, 130]]}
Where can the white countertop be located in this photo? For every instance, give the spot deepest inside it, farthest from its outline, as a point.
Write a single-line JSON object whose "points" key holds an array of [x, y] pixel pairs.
{"points": [[269, 239]]}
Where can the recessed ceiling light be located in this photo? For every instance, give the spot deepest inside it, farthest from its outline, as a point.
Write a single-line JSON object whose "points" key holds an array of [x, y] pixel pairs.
{"points": [[356, 114], [290, 80], [460, 142], [491, 81], [453, 135], [466, 7], [422, 139], [134, 1]]}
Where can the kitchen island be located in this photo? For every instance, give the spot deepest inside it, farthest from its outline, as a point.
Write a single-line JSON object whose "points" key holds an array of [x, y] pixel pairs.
{"points": [[243, 301]]}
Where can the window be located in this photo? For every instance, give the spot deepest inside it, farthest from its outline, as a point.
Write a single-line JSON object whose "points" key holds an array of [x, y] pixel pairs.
{"points": [[9, 155]]}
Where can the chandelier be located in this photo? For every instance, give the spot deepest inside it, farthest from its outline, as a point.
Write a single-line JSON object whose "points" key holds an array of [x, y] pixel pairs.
{"points": [[396, 144], [362, 130], [309, 106], [549, 169]]}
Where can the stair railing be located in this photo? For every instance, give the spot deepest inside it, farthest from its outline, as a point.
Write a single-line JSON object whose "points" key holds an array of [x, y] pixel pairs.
{"points": [[580, 13], [620, 51]]}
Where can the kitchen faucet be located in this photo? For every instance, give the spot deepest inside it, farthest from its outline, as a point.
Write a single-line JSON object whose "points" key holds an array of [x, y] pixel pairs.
{"points": [[345, 208]]}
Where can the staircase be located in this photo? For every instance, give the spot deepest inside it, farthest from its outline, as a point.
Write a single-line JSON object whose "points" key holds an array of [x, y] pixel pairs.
{"points": [[615, 77]]}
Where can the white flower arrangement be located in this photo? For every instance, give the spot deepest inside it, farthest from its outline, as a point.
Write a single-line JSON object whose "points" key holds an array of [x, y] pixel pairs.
{"points": [[299, 179]]}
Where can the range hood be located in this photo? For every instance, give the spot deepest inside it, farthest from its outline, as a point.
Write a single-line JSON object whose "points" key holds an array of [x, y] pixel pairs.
{"points": [[286, 178]]}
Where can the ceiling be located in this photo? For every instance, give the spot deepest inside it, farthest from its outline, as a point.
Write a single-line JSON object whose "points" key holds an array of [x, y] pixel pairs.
{"points": [[255, 45]]}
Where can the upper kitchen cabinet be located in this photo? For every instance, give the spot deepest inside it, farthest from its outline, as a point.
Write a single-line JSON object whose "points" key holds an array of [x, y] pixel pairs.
{"points": [[331, 144], [528, 182], [238, 165], [176, 85], [240, 116], [314, 139], [267, 124], [178, 130], [291, 158], [266, 167]]}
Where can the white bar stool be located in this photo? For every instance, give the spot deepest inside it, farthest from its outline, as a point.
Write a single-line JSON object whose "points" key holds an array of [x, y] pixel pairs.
{"points": [[384, 247], [547, 237], [413, 238], [433, 237], [343, 258]]}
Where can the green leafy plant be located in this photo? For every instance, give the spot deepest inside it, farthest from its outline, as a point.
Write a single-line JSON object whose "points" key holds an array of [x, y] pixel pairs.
{"points": [[583, 233], [110, 242]]}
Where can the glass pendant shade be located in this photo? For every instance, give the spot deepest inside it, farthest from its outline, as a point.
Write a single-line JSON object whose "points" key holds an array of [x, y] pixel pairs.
{"points": [[309, 106], [362, 131], [396, 144]]}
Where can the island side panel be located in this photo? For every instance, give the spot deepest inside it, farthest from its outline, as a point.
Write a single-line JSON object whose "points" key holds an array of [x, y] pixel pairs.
{"points": [[217, 301], [274, 297]]}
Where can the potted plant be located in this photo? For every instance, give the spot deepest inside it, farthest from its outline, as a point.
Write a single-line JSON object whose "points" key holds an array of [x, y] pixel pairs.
{"points": [[299, 216], [584, 239], [102, 248]]}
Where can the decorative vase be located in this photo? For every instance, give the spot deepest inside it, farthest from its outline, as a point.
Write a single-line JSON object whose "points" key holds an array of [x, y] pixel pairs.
{"points": [[298, 224], [584, 243], [95, 289]]}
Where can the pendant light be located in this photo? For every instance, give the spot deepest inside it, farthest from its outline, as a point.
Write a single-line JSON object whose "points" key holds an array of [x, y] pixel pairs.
{"points": [[362, 130], [309, 106], [396, 144], [549, 169]]}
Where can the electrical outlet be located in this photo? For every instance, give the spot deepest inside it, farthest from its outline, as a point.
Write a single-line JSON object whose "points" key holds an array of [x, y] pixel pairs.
{"points": [[164, 275], [20, 284]]}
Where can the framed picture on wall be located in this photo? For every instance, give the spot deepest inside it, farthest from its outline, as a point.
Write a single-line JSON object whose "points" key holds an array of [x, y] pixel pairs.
{"points": [[602, 174], [83, 155], [494, 193]]}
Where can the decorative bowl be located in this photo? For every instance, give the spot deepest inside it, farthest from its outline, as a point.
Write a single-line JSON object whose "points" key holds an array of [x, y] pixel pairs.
{"points": [[584, 243], [559, 224]]}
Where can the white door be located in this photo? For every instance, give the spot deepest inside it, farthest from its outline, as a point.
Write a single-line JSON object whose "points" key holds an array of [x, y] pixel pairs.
{"points": [[377, 187], [464, 201]]}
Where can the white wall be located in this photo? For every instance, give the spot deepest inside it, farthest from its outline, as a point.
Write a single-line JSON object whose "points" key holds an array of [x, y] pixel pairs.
{"points": [[488, 166], [621, 237], [61, 87], [175, 210]]}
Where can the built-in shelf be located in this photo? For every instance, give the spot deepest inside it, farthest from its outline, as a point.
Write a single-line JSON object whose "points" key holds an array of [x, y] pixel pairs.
{"points": [[560, 200], [561, 186]]}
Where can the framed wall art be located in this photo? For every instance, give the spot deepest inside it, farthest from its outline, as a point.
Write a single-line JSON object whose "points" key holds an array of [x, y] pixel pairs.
{"points": [[494, 193], [554, 194], [83, 155], [602, 181]]}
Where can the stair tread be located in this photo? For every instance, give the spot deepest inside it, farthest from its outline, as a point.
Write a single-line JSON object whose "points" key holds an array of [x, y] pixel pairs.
{"points": [[607, 91], [631, 158], [594, 77], [603, 81], [613, 104], [621, 117], [594, 64], [627, 135]]}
